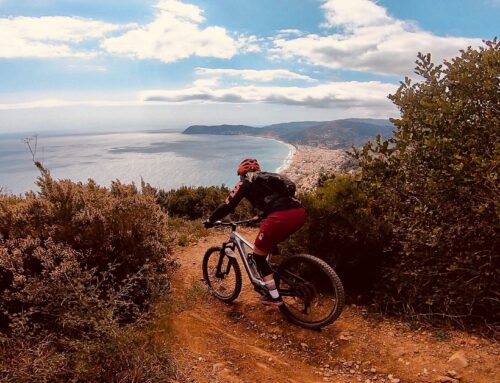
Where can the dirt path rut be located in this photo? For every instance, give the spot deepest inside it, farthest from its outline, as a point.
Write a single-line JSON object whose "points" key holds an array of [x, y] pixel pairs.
{"points": [[247, 342]]}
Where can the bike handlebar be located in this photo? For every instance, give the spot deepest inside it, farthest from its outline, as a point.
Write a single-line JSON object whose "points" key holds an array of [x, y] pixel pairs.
{"points": [[234, 224]]}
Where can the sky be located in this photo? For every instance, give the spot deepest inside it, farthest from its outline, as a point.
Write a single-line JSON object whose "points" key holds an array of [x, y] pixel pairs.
{"points": [[82, 65]]}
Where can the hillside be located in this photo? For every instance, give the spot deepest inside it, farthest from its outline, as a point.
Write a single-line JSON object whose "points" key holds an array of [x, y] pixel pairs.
{"points": [[337, 134]]}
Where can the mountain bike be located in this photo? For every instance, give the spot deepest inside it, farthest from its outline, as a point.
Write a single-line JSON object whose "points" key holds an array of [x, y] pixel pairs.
{"points": [[312, 293]]}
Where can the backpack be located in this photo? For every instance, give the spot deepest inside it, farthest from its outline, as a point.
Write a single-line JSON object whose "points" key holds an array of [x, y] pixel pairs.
{"points": [[277, 184]]}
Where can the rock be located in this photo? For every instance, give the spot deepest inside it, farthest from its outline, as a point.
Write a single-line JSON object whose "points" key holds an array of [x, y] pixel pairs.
{"points": [[304, 346], [458, 359], [344, 335], [453, 374], [217, 366], [447, 379], [374, 370]]}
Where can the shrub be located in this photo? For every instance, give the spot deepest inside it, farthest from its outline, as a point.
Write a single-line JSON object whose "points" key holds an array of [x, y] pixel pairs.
{"points": [[199, 202], [77, 262], [342, 229], [436, 183]]}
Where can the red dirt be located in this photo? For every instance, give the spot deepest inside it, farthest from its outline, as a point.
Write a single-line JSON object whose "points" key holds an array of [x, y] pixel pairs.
{"points": [[247, 342]]}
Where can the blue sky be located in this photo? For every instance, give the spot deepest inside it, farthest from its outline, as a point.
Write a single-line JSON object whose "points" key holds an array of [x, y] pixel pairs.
{"points": [[173, 63]]}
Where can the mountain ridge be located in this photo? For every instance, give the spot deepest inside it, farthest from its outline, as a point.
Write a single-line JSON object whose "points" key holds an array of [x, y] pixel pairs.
{"points": [[335, 134]]}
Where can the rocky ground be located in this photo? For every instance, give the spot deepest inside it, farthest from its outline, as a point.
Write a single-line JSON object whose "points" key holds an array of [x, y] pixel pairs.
{"points": [[246, 342], [309, 161]]}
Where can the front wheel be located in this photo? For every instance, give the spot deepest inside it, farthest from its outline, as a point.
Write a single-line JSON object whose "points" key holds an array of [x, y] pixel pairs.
{"points": [[312, 292], [222, 274]]}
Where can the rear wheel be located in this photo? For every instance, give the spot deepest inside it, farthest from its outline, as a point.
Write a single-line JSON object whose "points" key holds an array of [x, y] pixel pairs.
{"points": [[222, 274], [312, 292]]}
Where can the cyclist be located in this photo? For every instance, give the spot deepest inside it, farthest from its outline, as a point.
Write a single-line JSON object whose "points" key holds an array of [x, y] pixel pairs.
{"points": [[282, 214]]}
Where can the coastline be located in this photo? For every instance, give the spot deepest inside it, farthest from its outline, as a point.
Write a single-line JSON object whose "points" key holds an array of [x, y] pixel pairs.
{"points": [[287, 162], [309, 162]]}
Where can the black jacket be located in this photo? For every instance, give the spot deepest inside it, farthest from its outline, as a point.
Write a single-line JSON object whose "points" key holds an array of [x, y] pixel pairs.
{"points": [[260, 198]]}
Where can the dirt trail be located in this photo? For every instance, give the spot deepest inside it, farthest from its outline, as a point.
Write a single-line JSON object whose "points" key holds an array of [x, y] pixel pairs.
{"points": [[246, 342]]}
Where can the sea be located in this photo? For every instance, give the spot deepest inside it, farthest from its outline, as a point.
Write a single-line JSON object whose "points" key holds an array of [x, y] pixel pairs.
{"points": [[164, 159]]}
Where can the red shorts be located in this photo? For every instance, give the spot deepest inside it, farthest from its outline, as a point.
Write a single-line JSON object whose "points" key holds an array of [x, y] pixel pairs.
{"points": [[279, 225]]}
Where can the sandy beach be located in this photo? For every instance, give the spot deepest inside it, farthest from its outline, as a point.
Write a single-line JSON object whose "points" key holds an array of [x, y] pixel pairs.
{"points": [[308, 162]]}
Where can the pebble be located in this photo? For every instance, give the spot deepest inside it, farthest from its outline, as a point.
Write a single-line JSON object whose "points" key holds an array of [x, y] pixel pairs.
{"points": [[447, 379], [453, 374], [458, 359], [217, 366]]}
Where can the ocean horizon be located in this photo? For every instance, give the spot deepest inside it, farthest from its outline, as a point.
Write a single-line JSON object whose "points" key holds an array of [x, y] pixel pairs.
{"points": [[165, 159]]}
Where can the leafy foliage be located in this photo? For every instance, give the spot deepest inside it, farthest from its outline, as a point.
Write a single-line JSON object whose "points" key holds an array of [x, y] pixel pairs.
{"points": [[77, 262], [198, 202], [342, 229], [436, 182]]}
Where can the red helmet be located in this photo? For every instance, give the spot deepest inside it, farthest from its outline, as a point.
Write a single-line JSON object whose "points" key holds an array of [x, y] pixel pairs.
{"points": [[248, 165]]}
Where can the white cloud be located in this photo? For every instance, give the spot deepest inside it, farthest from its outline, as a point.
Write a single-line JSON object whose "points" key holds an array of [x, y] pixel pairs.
{"points": [[354, 13], [49, 36], [367, 39], [265, 75], [249, 44], [290, 31], [174, 34], [350, 94], [181, 10], [50, 103]]}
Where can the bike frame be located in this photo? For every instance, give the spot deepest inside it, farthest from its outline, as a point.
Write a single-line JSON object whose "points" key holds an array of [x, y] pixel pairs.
{"points": [[238, 241]]}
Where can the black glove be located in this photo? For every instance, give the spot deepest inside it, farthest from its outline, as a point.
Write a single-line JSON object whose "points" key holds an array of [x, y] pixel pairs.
{"points": [[208, 224]]}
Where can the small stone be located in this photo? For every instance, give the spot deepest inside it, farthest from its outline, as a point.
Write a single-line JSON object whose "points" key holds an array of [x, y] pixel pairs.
{"points": [[352, 371], [217, 366], [368, 381], [458, 359], [345, 336], [374, 370], [453, 374], [304, 346], [447, 379], [200, 358]]}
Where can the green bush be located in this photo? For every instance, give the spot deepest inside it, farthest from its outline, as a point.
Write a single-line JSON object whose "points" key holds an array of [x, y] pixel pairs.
{"points": [[199, 202], [342, 230], [436, 182], [78, 262]]}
